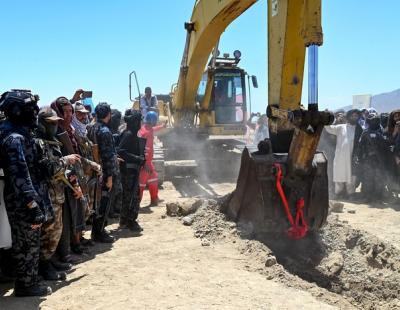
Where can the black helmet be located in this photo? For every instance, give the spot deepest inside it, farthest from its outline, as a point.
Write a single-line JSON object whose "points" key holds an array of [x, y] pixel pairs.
{"points": [[373, 121], [20, 106], [102, 110]]}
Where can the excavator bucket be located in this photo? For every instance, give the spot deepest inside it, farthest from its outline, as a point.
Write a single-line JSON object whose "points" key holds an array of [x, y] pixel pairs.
{"points": [[263, 186]]}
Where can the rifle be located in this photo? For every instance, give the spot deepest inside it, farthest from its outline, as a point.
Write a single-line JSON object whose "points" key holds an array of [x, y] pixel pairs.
{"points": [[66, 142], [60, 176], [142, 147], [110, 200]]}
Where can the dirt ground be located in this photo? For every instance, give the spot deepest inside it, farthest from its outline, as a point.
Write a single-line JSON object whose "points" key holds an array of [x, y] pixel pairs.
{"points": [[379, 219], [217, 265]]}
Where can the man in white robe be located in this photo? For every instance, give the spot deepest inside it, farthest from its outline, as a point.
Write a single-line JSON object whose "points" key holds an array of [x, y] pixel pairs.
{"points": [[5, 229], [342, 173]]}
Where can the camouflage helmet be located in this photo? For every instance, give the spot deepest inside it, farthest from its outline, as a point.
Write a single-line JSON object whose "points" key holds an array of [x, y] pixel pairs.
{"points": [[15, 101]]}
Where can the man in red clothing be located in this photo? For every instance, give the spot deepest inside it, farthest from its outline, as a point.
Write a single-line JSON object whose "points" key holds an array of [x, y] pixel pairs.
{"points": [[148, 175]]}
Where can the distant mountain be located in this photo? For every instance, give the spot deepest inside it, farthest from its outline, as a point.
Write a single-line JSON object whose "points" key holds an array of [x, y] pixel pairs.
{"points": [[386, 102]]}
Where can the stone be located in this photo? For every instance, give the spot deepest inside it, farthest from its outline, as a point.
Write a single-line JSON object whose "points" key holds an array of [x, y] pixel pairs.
{"points": [[205, 242], [271, 261], [351, 211], [189, 207], [337, 207], [232, 225], [187, 220], [332, 264], [198, 234], [172, 209]]}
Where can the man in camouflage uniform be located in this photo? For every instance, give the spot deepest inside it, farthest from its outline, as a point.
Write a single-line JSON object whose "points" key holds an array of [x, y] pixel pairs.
{"points": [[54, 165], [27, 202], [101, 135], [75, 206], [79, 121]]}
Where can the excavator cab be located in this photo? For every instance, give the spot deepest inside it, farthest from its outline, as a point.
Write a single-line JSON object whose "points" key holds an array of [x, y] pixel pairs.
{"points": [[228, 98], [222, 97]]}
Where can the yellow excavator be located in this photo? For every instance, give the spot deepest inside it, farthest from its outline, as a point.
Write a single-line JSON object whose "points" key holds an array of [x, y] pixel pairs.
{"points": [[218, 95], [283, 186]]}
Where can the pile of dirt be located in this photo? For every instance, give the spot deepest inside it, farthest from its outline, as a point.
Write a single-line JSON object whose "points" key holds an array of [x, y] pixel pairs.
{"points": [[339, 260]]}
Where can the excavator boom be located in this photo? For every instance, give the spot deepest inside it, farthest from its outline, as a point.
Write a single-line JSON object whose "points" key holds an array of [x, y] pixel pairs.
{"points": [[209, 20]]}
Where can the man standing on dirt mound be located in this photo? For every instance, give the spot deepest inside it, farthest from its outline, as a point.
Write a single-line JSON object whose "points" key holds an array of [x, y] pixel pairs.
{"points": [[148, 175]]}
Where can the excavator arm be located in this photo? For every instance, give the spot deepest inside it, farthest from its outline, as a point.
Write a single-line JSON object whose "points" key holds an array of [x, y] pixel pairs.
{"points": [[284, 186], [294, 26], [209, 20]]}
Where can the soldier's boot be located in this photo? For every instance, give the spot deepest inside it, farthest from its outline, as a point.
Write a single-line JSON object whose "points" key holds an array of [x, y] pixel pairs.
{"points": [[113, 215], [123, 222], [102, 237], [98, 232], [134, 226], [49, 273], [59, 266], [7, 264], [86, 242], [34, 290]]}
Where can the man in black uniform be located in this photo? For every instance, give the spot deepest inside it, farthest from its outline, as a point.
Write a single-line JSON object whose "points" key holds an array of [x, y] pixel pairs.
{"points": [[25, 192], [371, 153], [101, 135], [131, 150], [116, 204]]}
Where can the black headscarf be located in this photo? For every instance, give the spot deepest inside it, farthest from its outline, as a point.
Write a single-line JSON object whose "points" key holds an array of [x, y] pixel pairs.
{"points": [[133, 120]]}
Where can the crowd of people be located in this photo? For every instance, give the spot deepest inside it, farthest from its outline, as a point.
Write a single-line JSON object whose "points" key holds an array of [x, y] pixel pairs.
{"points": [[363, 152], [64, 167], [364, 147]]}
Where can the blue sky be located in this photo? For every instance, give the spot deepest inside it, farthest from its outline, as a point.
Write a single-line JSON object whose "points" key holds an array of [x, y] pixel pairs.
{"points": [[55, 47]]}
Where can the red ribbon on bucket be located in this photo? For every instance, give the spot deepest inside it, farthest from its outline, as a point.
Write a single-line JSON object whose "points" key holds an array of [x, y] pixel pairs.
{"points": [[299, 227]]}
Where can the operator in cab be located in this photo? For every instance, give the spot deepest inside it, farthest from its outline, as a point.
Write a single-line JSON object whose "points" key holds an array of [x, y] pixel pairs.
{"points": [[148, 102]]}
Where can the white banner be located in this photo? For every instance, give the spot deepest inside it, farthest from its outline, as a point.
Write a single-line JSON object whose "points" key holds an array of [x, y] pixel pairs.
{"points": [[361, 101]]}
